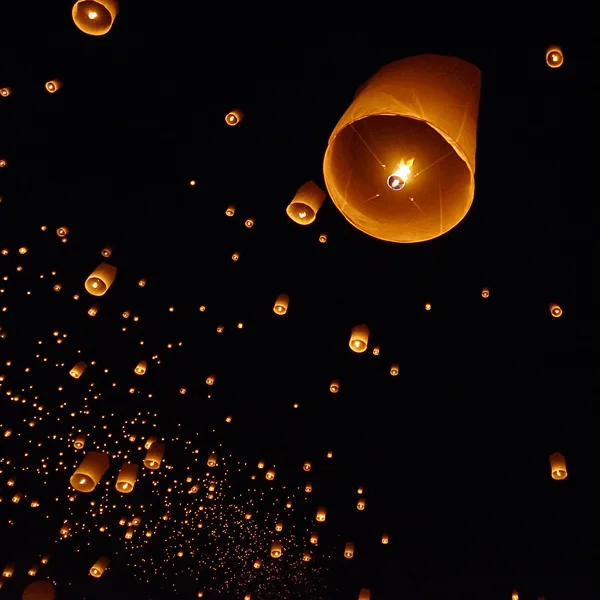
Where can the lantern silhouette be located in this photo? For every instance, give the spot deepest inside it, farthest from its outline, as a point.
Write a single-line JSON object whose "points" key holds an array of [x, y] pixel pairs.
{"points": [[314, 538], [281, 304], [65, 528], [99, 567], [8, 570], [230, 211], [33, 570], [211, 379], [79, 441], [385, 538], [101, 279], [212, 460], [126, 478], [554, 57], [154, 456], [270, 474], [234, 117], [558, 466], [364, 594], [334, 386], [276, 549], [307, 466], [53, 85], [39, 590], [89, 473], [95, 17], [360, 505], [321, 514], [349, 550], [555, 310], [485, 292], [77, 371], [400, 163], [394, 369], [306, 203], [140, 369], [359, 338], [5, 92]]}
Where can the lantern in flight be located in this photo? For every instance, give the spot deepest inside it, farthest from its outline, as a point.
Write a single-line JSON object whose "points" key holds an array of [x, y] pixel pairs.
{"points": [[89, 473], [364, 594], [101, 279], [334, 386], [555, 310], [5, 92], [234, 117], [306, 203], [359, 338], [53, 85], [126, 478], [39, 590], [321, 514], [79, 441], [154, 456], [558, 466], [95, 17], [349, 550], [99, 567], [400, 163], [276, 549], [485, 292], [281, 304], [230, 211], [77, 371], [140, 369], [554, 57]]}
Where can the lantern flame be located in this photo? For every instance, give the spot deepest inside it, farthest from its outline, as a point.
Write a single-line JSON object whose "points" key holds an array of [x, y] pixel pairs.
{"points": [[397, 179]]}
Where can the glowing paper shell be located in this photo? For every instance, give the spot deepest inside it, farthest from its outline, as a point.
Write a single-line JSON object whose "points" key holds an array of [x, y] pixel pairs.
{"points": [[101, 279], [304, 207], [39, 590], [89, 473], [95, 17], [423, 108]]}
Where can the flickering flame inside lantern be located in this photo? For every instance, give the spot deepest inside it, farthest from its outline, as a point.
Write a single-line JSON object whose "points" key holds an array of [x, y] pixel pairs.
{"points": [[397, 180]]}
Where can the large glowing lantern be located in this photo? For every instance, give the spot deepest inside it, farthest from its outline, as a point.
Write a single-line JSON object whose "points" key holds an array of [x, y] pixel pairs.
{"points": [[558, 466], [39, 590], [400, 163], [99, 567], [95, 17], [154, 456], [359, 338], [127, 478], [89, 473], [304, 207], [101, 279]]}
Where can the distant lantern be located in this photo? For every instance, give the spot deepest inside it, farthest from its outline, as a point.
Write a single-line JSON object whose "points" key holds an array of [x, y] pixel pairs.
{"points": [[364, 594], [210, 380], [79, 441], [126, 478], [408, 141], [39, 590], [279, 526], [8, 570], [99, 567], [554, 57], [257, 564], [276, 549], [485, 292], [321, 514], [385, 538], [235, 256], [394, 369], [230, 210], [281, 304], [89, 473], [334, 386], [308, 488], [53, 85], [314, 538], [270, 474], [140, 369], [77, 371], [349, 550], [142, 282], [33, 570], [95, 17], [307, 466], [376, 351], [45, 559], [5, 92], [515, 595], [360, 505], [306, 556], [62, 231], [93, 310], [249, 223], [129, 533], [555, 310], [154, 456], [234, 117], [558, 466], [3, 162], [101, 279], [106, 251], [65, 528], [151, 440], [359, 338], [427, 305], [323, 238], [17, 498], [212, 460], [306, 203]]}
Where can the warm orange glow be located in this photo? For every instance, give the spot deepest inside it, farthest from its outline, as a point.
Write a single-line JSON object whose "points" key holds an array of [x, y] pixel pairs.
{"points": [[554, 57], [281, 304], [276, 550], [249, 223], [555, 310], [485, 292], [306, 203], [334, 386], [394, 369], [323, 238], [154, 456], [5, 92], [89, 473], [234, 117], [127, 478], [95, 17], [385, 538], [421, 113], [558, 466], [349, 550], [53, 85], [77, 371], [230, 211], [140, 369], [359, 338], [361, 504], [99, 567], [101, 279], [364, 594], [321, 514], [270, 474]]}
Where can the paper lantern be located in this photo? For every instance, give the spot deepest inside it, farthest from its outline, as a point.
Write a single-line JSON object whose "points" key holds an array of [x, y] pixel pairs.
{"points": [[349, 550], [314, 538], [101, 279], [140, 369], [17, 498], [212, 460], [554, 57], [99, 567], [307, 466], [45, 559], [361, 504], [62, 231], [154, 456], [77, 371], [89, 473], [385, 538], [8, 570], [321, 514], [334, 386], [485, 292], [359, 338], [95, 17], [306, 203], [249, 223], [515, 595], [234, 117], [364, 594], [270, 474], [129, 533], [93, 311], [210, 380], [307, 556], [79, 441], [308, 488], [151, 440], [279, 526], [558, 466], [126, 478], [394, 369], [230, 211], [53, 85], [33, 570], [39, 590], [65, 528], [400, 163], [555, 310], [276, 549], [281, 304], [5, 92]]}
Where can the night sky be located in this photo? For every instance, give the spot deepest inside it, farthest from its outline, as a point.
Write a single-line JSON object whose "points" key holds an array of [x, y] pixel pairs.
{"points": [[452, 454]]}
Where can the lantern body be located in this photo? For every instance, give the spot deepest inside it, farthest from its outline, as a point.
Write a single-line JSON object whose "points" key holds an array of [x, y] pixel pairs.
{"points": [[270, 474], [53, 85], [234, 117], [555, 310], [558, 466], [99, 567], [364, 594], [420, 110], [321, 514], [212, 460], [154, 456], [276, 549], [5, 92], [79, 441], [395, 369], [95, 17], [127, 478], [349, 550], [89, 473], [77, 371], [8, 570], [141, 367], [334, 386], [485, 292], [306, 203], [101, 279], [554, 57], [359, 338], [281, 304], [230, 211], [39, 590]]}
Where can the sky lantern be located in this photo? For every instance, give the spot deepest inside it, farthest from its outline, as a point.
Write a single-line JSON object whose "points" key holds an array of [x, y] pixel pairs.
{"points": [[281, 304], [554, 57], [39, 590], [400, 163], [558, 466], [306, 203], [101, 279], [359, 338], [52, 86], [95, 17], [234, 117], [99, 567], [89, 473]]}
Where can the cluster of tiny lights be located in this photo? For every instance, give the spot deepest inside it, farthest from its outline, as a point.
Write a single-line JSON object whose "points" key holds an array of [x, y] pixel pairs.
{"points": [[176, 507]]}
